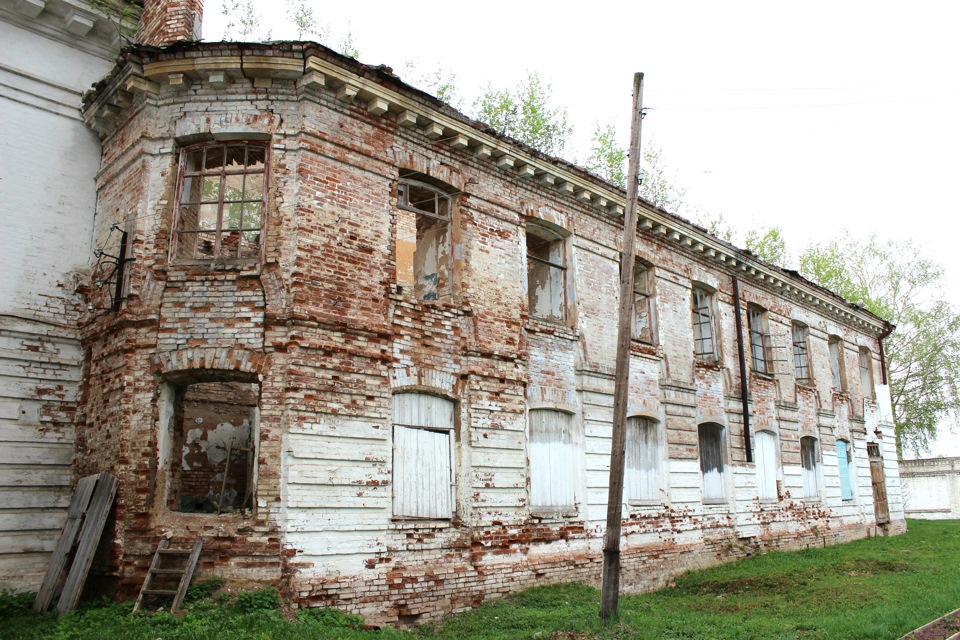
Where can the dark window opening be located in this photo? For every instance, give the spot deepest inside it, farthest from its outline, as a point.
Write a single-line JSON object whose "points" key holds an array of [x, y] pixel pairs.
{"points": [[213, 447]]}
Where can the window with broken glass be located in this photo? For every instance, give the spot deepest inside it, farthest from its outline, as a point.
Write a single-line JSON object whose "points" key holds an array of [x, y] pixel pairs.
{"points": [[866, 373], [221, 203], [759, 340], [423, 240], [704, 339], [801, 358], [837, 369], [546, 273], [644, 304], [423, 479]]}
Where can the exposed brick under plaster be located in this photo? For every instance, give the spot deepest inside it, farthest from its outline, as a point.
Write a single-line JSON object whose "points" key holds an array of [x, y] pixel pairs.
{"points": [[323, 328]]}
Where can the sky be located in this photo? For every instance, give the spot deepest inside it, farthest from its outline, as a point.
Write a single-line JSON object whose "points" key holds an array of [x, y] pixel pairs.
{"points": [[812, 116]]}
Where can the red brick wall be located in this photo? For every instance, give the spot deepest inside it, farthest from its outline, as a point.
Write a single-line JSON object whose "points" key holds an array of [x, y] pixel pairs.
{"points": [[167, 21]]}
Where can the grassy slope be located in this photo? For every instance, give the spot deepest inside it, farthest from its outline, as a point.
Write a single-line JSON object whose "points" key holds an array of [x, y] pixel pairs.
{"points": [[878, 588]]}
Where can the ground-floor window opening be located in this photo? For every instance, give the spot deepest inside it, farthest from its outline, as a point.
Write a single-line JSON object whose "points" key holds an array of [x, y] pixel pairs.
{"points": [[212, 454]]}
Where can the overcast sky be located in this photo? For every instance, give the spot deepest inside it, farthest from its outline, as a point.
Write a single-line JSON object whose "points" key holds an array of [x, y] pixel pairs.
{"points": [[810, 116]]}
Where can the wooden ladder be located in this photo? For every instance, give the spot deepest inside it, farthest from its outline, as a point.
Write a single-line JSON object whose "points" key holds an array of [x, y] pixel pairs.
{"points": [[184, 572]]}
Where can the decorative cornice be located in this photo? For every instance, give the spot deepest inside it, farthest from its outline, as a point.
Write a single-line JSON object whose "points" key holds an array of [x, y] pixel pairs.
{"points": [[439, 124]]}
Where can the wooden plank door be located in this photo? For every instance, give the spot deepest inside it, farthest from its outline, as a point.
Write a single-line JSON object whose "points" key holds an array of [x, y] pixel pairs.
{"points": [[878, 480]]}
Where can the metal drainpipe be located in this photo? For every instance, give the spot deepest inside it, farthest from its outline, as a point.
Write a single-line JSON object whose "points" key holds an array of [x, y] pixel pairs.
{"points": [[743, 371], [883, 359]]}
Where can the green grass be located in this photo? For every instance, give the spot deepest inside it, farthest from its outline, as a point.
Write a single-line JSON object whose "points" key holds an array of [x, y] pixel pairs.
{"points": [[879, 588]]}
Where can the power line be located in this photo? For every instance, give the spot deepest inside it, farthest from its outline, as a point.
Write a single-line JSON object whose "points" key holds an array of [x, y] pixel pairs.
{"points": [[803, 106]]}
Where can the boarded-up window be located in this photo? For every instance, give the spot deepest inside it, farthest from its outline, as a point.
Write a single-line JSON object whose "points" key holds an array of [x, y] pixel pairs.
{"points": [[801, 358], [710, 438], [844, 462], [546, 273], [422, 242], [643, 454], [759, 341], [809, 459], [766, 445], [836, 363], [644, 304], [552, 459], [704, 342], [422, 456], [221, 204], [866, 373]]}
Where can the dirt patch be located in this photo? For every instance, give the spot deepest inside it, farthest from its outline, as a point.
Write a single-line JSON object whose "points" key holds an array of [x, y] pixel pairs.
{"points": [[873, 567]]}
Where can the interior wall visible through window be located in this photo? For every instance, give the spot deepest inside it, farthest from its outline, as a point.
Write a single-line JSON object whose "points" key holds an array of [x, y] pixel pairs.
{"points": [[704, 338], [801, 357], [423, 259], [836, 363], [213, 440], [546, 273], [866, 373], [644, 304]]}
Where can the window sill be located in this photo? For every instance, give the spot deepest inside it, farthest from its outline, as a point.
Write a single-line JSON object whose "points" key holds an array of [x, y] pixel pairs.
{"points": [[762, 375], [549, 327], [700, 363], [553, 513], [648, 349], [185, 270], [716, 502], [646, 504], [410, 522]]}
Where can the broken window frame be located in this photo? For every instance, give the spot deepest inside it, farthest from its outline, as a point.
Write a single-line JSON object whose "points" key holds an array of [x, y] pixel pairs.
{"points": [[810, 467], [252, 227], [556, 269], [837, 367], [643, 461], [766, 444], [644, 303], [865, 360], [759, 340], [553, 464], [801, 353], [426, 422], [705, 343], [711, 437], [437, 210], [173, 443]]}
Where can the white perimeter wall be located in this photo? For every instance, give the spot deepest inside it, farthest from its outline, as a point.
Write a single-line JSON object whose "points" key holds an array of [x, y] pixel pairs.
{"points": [[931, 488]]}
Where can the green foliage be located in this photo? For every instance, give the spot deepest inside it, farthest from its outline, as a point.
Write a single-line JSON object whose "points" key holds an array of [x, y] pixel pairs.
{"points": [[659, 185], [203, 589], [875, 588], [301, 14], [348, 45], [718, 226], [607, 158], [243, 17], [525, 113], [894, 280], [767, 244], [328, 617], [266, 599], [440, 82]]}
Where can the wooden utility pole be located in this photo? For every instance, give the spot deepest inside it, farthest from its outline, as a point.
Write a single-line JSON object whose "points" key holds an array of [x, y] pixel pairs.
{"points": [[610, 585]]}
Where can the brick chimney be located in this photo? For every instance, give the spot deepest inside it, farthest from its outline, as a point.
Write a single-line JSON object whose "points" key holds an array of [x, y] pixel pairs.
{"points": [[167, 21]]}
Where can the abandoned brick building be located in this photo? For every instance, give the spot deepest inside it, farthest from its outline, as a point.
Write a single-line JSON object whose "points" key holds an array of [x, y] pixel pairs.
{"points": [[364, 347]]}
